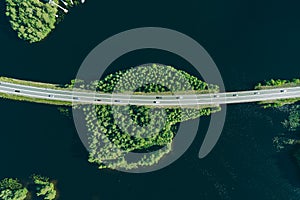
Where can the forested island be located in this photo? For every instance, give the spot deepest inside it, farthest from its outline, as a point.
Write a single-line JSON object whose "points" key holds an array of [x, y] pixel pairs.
{"points": [[117, 140], [108, 129], [113, 131], [33, 20], [37, 187]]}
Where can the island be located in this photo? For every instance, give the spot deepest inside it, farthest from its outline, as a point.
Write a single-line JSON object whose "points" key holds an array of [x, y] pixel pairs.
{"points": [[106, 122], [117, 140], [37, 187], [33, 20]]}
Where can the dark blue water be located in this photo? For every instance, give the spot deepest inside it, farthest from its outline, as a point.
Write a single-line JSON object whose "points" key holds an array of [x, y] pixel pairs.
{"points": [[250, 41]]}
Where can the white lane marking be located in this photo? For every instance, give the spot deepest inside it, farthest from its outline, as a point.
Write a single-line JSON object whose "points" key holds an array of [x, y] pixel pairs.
{"points": [[235, 99]]}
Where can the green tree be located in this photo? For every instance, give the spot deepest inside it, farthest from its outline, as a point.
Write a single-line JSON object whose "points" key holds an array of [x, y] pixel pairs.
{"points": [[12, 189], [109, 126], [44, 187], [33, 20]]}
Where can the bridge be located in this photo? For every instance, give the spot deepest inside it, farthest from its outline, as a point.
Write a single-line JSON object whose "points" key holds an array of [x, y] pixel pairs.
{"points": [[87, 97]]}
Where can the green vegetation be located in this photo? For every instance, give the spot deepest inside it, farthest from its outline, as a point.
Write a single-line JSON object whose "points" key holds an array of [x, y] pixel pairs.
{"points": [[291, 137], [12, 189], [111, 127], [66, 111], [33, 20], [172, 80], [278, 84], [293, 121], [33, 83], [35, 100], [75, 3], [44, 187], [105, 86], [278, 103], [68, 87], [108, 125], [41, 187]]}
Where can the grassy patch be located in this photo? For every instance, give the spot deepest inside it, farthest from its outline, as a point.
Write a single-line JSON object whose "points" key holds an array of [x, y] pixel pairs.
{"points": [[279, 83], [35, 100], [278, 103], [33, 83]]}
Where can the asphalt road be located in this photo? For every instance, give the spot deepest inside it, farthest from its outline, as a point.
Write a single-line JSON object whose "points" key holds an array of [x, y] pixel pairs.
{"points": [[166, 100]]}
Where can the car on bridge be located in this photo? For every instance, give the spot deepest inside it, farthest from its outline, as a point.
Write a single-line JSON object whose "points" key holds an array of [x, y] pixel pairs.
{"points": [[283, 91], [156, 102], [235, 95]]}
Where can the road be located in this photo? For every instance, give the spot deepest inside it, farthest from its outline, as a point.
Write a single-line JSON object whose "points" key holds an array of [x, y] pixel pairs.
{"points": [[150, 100]]}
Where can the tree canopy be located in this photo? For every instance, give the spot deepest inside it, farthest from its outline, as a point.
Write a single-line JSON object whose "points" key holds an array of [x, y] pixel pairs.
{"points": [[44, 187], [39, 186], [111, 128], [33, 20], [12, 189]]}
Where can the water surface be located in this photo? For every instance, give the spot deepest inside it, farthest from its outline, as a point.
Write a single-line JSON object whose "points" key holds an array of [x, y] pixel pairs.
{"points": [[249, 40]]}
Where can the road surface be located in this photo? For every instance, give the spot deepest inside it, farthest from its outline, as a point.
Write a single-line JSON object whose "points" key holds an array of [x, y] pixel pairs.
{"points": [[150, 100]]}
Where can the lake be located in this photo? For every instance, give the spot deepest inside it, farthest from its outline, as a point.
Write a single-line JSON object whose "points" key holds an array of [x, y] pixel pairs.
{"points": [[250, 41]]}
